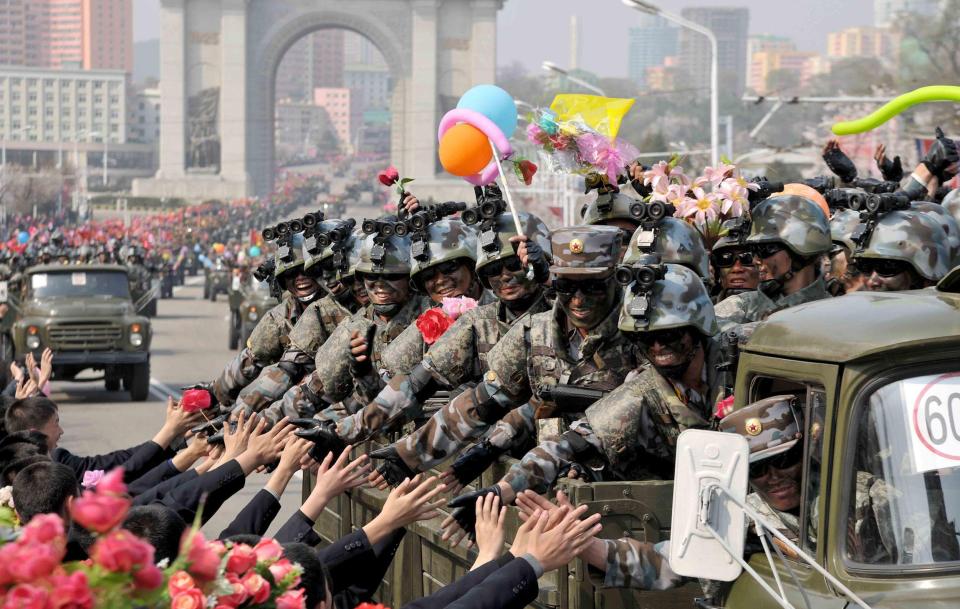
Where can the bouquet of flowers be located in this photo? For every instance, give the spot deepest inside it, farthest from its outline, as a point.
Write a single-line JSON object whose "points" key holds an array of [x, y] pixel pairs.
{"points": [[432, 323], [578, 134], [706, 201], [121, 573]]}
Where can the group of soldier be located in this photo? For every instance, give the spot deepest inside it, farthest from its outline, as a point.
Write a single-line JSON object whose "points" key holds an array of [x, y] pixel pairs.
{"points": [[590, 348]]}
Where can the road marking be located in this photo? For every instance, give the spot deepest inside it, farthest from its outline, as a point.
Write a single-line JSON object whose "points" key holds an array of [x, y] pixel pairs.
{"points": [[162, 390]]}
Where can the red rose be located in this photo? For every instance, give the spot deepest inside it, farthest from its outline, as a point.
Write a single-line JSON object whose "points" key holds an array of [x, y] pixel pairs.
{"points": [[268, 549], [389, 176], [25, 596], [527, 171], [71, 591], [179, 582], [432, 323], [257, 587], [235, 598], [202, 557], [148, 577], [43, 528], [194, 400], [240, 559], [294, 599], [99, 512], [112, 483], [121, 551], [189, 599], [281, 569], [30, 562]]}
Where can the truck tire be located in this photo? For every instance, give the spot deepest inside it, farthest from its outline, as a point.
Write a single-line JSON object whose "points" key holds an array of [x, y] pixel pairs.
{"points": [[151, 309], [206, 291], [234, 340], [213, 295], [6, 348], [139, 382], [111, 381]]}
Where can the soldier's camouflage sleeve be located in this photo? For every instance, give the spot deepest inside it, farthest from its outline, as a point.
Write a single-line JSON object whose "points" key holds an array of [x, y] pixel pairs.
{"points": [[516, 428], [395, 402], [269, 387], [301, 401], [639, 564], [453, 359], [266, 340], [731, 311], [237, 374], [452, 427], [507, 361], [332, 376], [539, 468]]}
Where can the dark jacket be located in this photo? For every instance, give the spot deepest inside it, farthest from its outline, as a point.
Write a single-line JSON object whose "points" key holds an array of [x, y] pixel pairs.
{"points": [[215, 486], [135, 461], [255, 517]]}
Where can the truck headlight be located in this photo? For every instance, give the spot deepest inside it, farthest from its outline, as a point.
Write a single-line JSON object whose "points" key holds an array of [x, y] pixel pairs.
{"points": [[33, 338], [136, 337], [252, 314]]}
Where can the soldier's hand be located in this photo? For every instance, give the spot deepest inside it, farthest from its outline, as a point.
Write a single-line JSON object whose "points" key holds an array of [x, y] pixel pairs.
{"points": [[360, 362], [531, 254], [892, 171], [393, 469], [838, 162], [410, 204], [941, 160], [464, 515], [471, 463]]}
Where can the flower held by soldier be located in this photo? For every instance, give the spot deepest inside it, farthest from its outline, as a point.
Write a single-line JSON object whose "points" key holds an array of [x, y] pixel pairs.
{"points": [[432, 324]]}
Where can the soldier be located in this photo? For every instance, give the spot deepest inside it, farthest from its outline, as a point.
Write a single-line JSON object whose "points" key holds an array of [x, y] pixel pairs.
{"points": [[575, 343], [269, 338], [842, 275], [459, 356], [612, 208], [733, 262], [901, 250], [630, 434], [384, 267], [788, 234]]}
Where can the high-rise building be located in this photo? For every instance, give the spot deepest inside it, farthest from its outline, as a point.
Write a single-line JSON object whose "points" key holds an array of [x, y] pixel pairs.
{"points": [[861, 42], [650, 43], [730, 25], [328, 58], [336, 101], [885, 12], [92, 34], [320, 55]]}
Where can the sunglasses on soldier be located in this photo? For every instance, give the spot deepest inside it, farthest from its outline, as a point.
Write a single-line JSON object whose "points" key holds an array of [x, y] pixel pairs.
{"points": [[883, 268], [495, 268], [783, 460], [374, 277], [667, 338], [444, 268], [569, 287], [724, 259], [766, 250]]}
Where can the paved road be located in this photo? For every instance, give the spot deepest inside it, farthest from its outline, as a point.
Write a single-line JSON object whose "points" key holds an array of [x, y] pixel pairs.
{"points": [[189, 345]]}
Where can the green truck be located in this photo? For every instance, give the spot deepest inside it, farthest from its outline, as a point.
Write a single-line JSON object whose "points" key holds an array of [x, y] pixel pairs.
{"points": [[86, 316], [249, 301], [879, 379]]}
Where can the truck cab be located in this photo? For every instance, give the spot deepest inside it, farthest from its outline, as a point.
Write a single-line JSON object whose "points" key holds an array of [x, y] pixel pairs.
{"points": [[86, 316]]}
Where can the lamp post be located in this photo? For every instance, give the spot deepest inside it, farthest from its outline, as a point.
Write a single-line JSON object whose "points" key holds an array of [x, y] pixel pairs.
{"points": [[653, 9], [549, 66]]}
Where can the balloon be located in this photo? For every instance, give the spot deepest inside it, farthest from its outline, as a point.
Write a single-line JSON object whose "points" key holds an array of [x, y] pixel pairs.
{"points": [[809, 193], [896, 106], [254, 250], [464, 150], [218, 248], [494, 103], [23, 236]]}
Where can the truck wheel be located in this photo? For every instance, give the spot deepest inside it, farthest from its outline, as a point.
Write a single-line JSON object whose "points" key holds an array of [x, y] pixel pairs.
{"points": [[111, 381], [6, 348], [213, 295], [206, 291], [140, 382], [234, 341]]}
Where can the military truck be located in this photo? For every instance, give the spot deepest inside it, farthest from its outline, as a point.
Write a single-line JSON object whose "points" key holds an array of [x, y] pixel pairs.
{"points": [[86, 316], [878, 380], [216, 279], [249, 301]]}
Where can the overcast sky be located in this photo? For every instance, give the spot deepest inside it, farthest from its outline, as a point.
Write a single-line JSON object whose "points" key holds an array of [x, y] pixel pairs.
{"points": [[531, 31]]}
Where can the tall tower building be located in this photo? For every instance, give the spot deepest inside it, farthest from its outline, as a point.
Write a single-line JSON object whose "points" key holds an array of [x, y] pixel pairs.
{"points": [[107, 34], [651, 43], [730, 25]]}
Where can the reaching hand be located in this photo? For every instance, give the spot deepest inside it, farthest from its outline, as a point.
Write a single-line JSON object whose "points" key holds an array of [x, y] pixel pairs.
{"points": [[489, 528], [235, 438], [26, 387], [892, 171], [411, 501], [557, 544], [177, 420], [942, 157], [16, 372], [462, 520], [410, 203], [333, 478], [264, 448], [31, 364], [293, 452], [838, 162], [531, 254], [46, 367]]}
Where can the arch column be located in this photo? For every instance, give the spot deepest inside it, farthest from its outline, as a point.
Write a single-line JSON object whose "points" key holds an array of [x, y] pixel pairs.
{"points": [[420, 141], [173, 110], [233, 92]]}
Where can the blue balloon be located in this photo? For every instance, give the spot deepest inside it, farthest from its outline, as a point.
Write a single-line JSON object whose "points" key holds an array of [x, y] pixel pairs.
{"points": [[254, 250], [494, 103], [23, 236]]}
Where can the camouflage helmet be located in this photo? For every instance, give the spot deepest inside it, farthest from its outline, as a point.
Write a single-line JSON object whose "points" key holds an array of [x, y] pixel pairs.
{"points": [[337, 236], [733, 233], [384, 254], [795, 221], [498, 244], [356, 244], [913, 237], [951, 203], [289, 254], [442, 241], [771, 426], [947, 223], [842, 225], [674, 297], [585, 250], [674, 242], [612, 205]]}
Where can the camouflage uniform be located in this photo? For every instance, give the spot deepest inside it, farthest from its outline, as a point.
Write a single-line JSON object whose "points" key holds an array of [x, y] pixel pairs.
{"points": [[797, 223], [947, 223], [634, 428], [460, 355], [541, 350], [910, 236]]}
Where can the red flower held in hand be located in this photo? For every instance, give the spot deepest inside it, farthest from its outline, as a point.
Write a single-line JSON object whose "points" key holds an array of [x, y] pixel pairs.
{"points": [[389, 176], [432, 324], [194, 400]]}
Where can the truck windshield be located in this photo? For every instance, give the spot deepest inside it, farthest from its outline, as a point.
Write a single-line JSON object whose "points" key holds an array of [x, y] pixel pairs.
{"points": [[79, 283], [904, 494]]}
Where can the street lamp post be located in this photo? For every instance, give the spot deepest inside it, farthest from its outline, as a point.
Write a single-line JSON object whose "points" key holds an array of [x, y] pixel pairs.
{"points": [[549, 66], [652, 9]]}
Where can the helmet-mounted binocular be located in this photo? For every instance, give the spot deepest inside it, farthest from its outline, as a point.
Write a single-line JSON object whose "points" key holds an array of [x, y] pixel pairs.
{"points": [[642, 275]]}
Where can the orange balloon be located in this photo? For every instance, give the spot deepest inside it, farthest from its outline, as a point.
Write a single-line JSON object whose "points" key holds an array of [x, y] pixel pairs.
{"points": [[809, 193], [464, 150]]}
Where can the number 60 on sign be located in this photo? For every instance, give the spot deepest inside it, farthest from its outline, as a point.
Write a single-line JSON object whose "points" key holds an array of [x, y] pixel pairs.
{"points": [[933, 413]]}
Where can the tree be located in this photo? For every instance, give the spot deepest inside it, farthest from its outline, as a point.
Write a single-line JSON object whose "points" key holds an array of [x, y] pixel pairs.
{"points": [[782, 81]]}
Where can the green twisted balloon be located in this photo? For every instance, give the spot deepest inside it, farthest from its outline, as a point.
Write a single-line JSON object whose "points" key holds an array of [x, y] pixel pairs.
{"points": [[897, 105]]}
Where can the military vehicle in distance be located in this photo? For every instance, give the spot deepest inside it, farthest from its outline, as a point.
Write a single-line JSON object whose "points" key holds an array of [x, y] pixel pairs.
{"points": [[216, 279], [86, 316], [249, 301]]}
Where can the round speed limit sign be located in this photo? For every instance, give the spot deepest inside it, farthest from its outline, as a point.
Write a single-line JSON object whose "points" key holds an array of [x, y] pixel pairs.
{"points": [[933, 404]]}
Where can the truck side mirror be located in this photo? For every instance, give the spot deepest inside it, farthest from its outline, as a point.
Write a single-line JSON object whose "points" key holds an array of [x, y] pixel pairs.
{"points": [[707, 527]]}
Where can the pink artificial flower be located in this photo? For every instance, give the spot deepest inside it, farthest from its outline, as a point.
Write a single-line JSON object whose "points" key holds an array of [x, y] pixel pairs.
{"points": [[240, 559], [121, 551], [733, 199], [268, 549], [99, 512], [455, 307], [535, 135], [70, 591], [237, 597], [257, 587], [743, 182], [91, 478], [44, 528], [179, 582], [202, 558], [659, 173], [112, 483], [189, 599], [281, 569], [702, 208], [148, 577], [28, 562], [25, 596], [715, 175], [294, 599]]}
